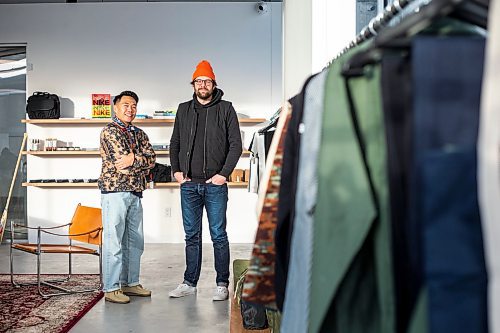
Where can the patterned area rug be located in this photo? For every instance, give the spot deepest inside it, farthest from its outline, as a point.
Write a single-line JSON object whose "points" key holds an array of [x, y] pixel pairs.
{"points": [[24, 310]]}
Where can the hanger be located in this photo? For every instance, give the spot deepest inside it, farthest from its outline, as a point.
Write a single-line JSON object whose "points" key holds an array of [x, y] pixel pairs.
{"points": [[272, 122], [275, 116], [471, 11], [379, 21], [269, 126], [475, 12]]}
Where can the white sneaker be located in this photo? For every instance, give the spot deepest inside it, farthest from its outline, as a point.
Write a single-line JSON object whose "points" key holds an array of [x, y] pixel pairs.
{"points": [[182, 290], [220, 294]]}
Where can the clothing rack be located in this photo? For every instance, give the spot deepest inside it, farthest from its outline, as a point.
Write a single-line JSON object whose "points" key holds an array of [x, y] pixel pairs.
{"points": [[375, 24], [473, 11]]}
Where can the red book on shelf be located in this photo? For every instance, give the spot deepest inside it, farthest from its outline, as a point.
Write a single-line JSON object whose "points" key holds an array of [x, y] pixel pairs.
{"points": [[101, 106]]}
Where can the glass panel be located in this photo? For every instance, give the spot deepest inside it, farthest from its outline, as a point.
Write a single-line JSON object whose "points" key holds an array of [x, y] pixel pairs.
{"points": [[12, 110]]}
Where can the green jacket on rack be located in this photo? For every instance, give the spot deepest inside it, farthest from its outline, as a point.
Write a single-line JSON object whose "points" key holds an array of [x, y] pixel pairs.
{"points": [[352, 287]]}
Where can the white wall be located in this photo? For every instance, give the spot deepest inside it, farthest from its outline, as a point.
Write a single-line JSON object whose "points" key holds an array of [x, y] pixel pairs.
{"points": [[314, 32], [152, 48], [334, 27], [297, 36]]}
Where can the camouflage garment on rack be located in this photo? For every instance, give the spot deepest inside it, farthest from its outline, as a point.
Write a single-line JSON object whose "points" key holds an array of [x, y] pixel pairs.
{"points": [[259, 280]]}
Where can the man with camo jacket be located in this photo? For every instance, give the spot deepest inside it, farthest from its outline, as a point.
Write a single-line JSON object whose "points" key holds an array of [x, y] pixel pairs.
{"points": [[127, 157]]}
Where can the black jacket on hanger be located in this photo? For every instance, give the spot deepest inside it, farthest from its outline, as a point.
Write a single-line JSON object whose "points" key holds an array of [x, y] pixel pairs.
{"points": [[286, 203]]}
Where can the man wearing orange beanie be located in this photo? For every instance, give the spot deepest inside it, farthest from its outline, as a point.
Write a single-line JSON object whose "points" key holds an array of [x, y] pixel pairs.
{"points": [[204, 149]]}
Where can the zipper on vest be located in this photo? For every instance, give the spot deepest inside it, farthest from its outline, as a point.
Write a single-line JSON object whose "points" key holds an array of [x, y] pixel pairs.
{"points": [[189, 148], [205, 145]]}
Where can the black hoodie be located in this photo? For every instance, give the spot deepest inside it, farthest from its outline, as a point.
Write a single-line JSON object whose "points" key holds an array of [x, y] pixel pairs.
{"points": [[206, 139]]}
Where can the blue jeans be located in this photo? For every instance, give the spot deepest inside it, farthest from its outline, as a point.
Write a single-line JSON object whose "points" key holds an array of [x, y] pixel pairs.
{"points": [[193, 197], [123, 239]]}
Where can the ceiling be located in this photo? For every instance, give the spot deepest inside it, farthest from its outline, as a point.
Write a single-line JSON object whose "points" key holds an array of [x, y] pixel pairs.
{"points": [[73, 1]]}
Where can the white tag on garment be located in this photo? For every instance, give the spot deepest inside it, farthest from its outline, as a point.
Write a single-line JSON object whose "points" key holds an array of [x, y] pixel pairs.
{"points": [[151, 184]]}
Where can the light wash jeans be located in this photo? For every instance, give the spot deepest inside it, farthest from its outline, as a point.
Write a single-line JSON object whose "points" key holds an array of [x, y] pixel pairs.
{"points": [[123, 239]]}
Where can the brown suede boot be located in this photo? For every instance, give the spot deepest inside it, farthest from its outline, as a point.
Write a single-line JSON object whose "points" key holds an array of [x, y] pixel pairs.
{"points": [[116, 296], [137, 290]]}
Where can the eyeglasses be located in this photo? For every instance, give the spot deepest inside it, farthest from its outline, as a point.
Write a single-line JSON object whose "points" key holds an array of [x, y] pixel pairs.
{"points": [[207, 82]]}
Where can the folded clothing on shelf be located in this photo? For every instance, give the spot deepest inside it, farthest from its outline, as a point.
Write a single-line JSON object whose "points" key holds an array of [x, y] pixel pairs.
{"points": [[161, 146]]}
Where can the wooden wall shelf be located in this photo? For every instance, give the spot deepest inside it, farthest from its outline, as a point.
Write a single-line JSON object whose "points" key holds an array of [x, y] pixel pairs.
{"points": [[84, 153], [94, 153], [94, 185], [91, 185], [62, 153], [63, 121]]}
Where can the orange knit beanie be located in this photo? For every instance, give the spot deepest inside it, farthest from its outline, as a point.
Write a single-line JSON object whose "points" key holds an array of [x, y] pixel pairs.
{"points": [[204, 69]]}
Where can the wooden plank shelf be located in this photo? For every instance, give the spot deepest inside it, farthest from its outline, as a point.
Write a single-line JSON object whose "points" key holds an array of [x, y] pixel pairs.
{"points": [[91, 153], [94, 185], [64, 121], [61, 152]]}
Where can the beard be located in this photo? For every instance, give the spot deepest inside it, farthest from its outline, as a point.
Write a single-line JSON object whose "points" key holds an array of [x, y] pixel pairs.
{"points": [[204, 94]]}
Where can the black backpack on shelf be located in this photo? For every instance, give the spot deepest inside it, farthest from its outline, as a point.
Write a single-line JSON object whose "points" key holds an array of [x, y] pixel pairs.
{"points": [[42, 105], [160, 173]]}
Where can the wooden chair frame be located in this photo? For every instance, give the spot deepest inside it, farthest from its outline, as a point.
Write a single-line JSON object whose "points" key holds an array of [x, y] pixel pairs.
{"points": [[39, 248]]}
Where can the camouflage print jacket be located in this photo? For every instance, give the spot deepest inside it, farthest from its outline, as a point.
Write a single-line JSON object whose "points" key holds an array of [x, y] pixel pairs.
{"points": [[116, 142]]}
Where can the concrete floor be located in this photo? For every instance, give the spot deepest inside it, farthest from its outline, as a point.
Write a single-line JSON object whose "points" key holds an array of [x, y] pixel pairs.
{"points": [[161, 270]]}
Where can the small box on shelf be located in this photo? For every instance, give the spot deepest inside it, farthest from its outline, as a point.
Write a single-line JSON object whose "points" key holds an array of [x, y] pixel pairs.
{"points": [[237, 176]]}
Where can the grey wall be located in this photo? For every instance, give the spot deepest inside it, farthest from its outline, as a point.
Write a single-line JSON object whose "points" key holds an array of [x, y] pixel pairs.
{"points": [[79, 1], [85, 48]]}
